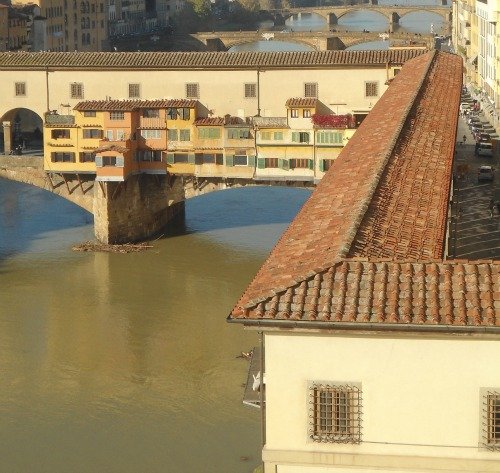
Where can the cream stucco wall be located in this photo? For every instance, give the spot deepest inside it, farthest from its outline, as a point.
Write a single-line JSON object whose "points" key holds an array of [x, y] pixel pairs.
{"points": [[221, 92], [421, 400]]}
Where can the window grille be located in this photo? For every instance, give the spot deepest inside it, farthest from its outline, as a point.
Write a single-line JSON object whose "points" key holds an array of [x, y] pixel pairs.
{"points": [[192, 91], [20, 88], [299, 163], [185, 135], [294, 113], [62, 157], [306, 113], [134, 91], [335, 413], [311, 89], [76, 90], [491, 422], [116, 115], [250, 91], [371, 89]]}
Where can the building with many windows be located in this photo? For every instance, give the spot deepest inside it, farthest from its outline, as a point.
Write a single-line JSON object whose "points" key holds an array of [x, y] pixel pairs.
{"points": [[476, 39]]}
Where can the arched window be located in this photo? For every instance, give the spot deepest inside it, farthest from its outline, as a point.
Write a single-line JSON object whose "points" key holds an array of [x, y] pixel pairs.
{"points": [[87, 23], [88, 38], [83, 38]]}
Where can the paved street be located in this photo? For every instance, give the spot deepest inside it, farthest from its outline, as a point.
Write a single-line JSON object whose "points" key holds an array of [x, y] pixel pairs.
{"points": [[475, 228]]}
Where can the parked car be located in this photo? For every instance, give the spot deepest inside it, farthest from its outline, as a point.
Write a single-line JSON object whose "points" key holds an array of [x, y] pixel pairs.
{"points": [[485, 173], [484, 138], [484, 149]]}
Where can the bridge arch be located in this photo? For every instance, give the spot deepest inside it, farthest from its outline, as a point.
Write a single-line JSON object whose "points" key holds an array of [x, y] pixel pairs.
{"points": [[383, 13], [21, 127]]}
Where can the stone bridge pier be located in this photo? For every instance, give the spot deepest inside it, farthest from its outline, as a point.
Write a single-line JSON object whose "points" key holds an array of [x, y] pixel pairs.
{"points": [[136, 209], [393, 21]]}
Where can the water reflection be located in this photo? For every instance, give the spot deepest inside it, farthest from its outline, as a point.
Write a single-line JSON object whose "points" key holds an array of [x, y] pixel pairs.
{"points": [[371, 45], [124, 363]]}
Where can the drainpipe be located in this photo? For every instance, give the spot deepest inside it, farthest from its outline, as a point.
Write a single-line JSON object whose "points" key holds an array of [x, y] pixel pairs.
{"points": [[258, 92], [261, 394], [47, 86]]}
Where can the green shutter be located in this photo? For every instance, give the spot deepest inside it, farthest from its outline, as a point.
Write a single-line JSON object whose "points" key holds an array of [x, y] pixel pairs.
{"points": [[98, 161], [191, 158], [170, 158], [229, 160], [322, 165], [285, 164], [120, 161], [311, 164], [295, 137], [261, 163], [251, 161]]}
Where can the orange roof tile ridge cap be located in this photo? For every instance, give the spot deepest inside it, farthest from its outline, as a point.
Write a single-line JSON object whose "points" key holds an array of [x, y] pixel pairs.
{"points": [[362, 208]]}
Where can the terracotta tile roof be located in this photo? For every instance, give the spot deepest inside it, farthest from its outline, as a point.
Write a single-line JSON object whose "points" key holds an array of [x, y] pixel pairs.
{"points": [[209, 121], [386, 195], [195, 60], [385, 292], [301, 102], [181, 103], [128, 105]]}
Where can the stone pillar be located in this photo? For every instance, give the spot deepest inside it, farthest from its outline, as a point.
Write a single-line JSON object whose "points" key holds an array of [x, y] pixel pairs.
{"points": [[7, 138], [334, 43], [332, 19], [136, 209]]}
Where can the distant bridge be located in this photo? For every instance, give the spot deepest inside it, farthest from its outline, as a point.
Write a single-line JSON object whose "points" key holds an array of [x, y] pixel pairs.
{"points": [[319, 40], [333, 13]]}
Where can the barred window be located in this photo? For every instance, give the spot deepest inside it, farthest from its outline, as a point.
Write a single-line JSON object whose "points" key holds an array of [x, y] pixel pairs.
{"points": [[20, 89], [371, 89], [294, 113], [250, 91], [192, 91], [185, 134], [491, 431], [335, 413], [89, 113], [116, 115], [311, 89], [306, 113], [172, 135], [76, 90], [134, 91]]}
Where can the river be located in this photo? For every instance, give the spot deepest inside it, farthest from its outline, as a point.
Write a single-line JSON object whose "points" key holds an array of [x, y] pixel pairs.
{"points": [[124, 362], [417, 22]]}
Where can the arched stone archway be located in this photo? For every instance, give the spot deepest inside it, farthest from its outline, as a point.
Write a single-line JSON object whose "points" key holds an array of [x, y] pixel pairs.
{"points": [[21, 127]]}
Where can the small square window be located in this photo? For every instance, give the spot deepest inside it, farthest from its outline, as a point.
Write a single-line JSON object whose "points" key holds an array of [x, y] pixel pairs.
{"points": [[306, 113], [335, 413], [134, 91], [250, 91], [371, 89], [116, 115], [311, 89], [76, 90], [294, 113], [20, 88], [192, 91], [89, 113]]}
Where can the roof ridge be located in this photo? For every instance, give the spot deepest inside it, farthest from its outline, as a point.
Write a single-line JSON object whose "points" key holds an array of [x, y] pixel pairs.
{"points": [[356, 223]]}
